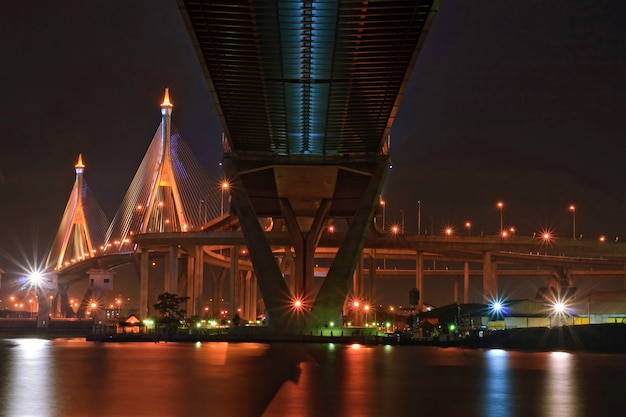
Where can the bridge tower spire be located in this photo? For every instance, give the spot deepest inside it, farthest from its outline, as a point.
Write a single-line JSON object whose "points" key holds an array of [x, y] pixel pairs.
{"points": [[166, 191], [166, 187], [75, 238]]}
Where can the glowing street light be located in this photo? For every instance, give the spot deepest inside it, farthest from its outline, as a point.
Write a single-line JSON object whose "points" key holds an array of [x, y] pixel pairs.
{"points": [[500, 207], [572, 208], [469, 228], [224, 186]]}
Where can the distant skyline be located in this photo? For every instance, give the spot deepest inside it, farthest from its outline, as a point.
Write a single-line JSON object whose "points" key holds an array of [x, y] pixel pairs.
{"points": [[519, 102]]}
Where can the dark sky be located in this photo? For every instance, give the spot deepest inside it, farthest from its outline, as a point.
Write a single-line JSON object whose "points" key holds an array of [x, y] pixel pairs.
{"points": [[519, 101]]}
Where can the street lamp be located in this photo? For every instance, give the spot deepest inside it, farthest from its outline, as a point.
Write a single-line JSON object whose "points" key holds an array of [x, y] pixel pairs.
{"points": [[419, 217], [501, 206], [572, 208], [469, 228], [225, 185]]}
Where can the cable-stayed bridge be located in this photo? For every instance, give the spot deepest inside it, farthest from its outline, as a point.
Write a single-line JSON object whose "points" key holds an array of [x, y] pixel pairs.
{"points": [[307, 93]]}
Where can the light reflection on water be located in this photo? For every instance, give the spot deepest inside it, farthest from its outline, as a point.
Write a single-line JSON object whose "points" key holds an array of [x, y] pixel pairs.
{"points": [[71, 377]]}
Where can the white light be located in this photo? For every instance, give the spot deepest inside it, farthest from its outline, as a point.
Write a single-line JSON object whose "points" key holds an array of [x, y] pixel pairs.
{"points": [[35, 277], [497, 306]]}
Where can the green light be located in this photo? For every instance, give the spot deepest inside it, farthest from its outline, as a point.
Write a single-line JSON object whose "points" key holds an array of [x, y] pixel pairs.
{"points": [[198, 324], [387, 325], [332, 324], [451, 327]]}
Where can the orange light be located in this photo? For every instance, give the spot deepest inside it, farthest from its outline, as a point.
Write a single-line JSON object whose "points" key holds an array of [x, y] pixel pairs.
{"points": [[225, 185]]}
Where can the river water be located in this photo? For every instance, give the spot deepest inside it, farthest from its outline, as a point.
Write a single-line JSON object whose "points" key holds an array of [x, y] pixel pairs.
{"points": [[72, 377]]}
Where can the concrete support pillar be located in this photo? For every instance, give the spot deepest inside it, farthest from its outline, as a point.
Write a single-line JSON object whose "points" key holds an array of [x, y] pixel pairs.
{"points": [[419, 278], [195, 278], [332, 294], [143, 283], [456, 290], [242, 308], [372, 278], [247, 308], [217, 291], [171, 270], [288, 267], [198, 279], [234, 281], [304, 244], [189, 288], [253, 297], [488, 277], [466, 283], [273, 288], [357, 280]]}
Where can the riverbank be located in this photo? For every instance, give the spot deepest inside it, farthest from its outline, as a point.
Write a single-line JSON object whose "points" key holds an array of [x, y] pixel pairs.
{"points": [[608, 338]]}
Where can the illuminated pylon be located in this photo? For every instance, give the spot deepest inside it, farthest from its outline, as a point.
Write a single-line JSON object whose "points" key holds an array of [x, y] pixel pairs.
{"points": [[170, 191], [82, 225]]}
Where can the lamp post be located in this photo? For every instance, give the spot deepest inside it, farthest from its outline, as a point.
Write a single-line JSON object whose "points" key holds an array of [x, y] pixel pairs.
{"points": [[501, 206], [225, 185], [419, 217], [469, 228], [572, 208], [382, 203], [402, 223]]}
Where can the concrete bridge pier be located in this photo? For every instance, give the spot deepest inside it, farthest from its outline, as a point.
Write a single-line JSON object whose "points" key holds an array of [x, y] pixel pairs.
{"points": [[465, 282], [489, 278], [195, 280], [332, 294], [144, 271], [217, 290], [171, 270], [419, 279], [305, 237]]}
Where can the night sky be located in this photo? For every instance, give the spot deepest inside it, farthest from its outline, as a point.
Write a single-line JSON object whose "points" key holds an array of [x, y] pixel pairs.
{"points": [[519, 101]]}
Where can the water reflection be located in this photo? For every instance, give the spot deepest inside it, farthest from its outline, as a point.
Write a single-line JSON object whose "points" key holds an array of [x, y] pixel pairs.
{"points": [[29, 393], [497, 388], [561, 393], [78, 378]]}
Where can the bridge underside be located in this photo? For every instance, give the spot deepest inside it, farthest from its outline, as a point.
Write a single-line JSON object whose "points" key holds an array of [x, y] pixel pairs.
{"points": [[307, 93]]}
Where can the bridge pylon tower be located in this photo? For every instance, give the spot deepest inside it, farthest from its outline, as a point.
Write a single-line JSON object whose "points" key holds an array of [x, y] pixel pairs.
{"points": [[82, 226], [170, 192]]}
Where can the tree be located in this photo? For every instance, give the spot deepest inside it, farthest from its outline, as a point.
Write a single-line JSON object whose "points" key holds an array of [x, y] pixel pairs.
{"points": [[169, 307]]}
